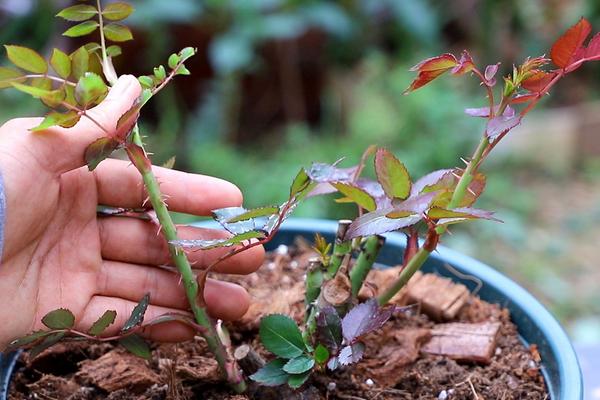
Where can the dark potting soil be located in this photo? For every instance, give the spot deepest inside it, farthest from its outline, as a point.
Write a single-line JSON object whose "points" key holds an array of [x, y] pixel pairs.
{"points": [[394, 367]]}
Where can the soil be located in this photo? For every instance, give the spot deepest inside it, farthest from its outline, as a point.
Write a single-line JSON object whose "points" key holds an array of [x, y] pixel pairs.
{"points": [[394, 365]]}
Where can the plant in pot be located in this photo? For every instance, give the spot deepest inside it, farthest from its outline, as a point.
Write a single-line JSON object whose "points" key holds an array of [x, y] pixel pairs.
{"points": [[343, 309]]}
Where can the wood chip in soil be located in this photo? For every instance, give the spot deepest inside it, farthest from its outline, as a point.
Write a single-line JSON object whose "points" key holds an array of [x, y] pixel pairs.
{"points": [[394, 365]]}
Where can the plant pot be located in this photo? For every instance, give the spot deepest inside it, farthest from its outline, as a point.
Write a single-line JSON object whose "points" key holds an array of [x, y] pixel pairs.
{"points": [[535, 324]]}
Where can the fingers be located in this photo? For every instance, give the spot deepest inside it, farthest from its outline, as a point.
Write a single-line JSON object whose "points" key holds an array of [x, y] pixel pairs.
{"points": [[135, 241], [72, 142], [131, 282], [120, 185]]}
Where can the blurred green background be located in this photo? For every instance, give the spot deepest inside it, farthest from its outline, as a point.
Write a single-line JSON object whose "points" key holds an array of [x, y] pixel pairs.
{"points": [[278, 84]]}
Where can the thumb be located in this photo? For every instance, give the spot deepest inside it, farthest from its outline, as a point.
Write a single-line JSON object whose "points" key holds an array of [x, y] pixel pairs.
{"points": [[65, 148]]}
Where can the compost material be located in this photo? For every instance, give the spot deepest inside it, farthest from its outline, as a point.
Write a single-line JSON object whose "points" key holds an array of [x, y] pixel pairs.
{"points": [[446, 346]]}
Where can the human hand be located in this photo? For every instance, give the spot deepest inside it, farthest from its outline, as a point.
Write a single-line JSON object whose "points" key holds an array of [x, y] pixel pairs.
{"points": [[58, 253]]}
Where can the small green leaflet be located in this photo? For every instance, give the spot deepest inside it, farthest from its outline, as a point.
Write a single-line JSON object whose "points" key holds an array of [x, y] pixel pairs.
{"points": [[297, 380], [299, 365], [25, 340], [117, 11], [392, 175], [53, 118], [211, 244], [280, 335], [82, 29], [8, 76], [48, 341], [27, 59], [136, 345], [272, 374], [254, 213], [103, 322], [117, 33], [61, 63], [90, 90], [99, 150], [356, 195], [80, 62], [137, 315], [80, 12], [321, 354], [59, 319], [300, 183]]}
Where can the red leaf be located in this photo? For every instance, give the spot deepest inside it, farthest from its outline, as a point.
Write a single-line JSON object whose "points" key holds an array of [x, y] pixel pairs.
{"points": [[538, 81], [593, 48], [430, 69], [523, 98], [127, 121], [566, 47], [465, 64], [99, 150]]}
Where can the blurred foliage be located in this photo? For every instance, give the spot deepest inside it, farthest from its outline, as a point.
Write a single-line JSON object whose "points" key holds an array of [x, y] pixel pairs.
{"points": [[334, 72]]}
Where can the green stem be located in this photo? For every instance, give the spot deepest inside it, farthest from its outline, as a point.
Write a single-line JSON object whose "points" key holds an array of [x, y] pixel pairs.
{"points": [[102, 40], [169, 230], [413, 266], [369, 250], [341, 248]]}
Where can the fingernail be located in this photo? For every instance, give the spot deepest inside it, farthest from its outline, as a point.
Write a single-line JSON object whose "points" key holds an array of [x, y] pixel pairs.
{"points": [[121, 87]]}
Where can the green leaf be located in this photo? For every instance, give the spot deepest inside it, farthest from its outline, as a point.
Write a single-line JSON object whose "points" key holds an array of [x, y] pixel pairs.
{"points": [[99, 150], [103, 322], [137, 315], [400, 214], [255, 213], [53, 118], [173, 61], [299, 364], [357, 195], [182, 70], [214, 243], [92, 47], [61, 63], [90, 90], [146, 81], [321, 354], [113, 51], [160, 73], [392, 175], [8, 76], [42, 83], [25, 340], [297, 380], [48, 341], [186, 53], [136, 345], [300, 183], [80, 12], [27, 59], [82, 29], [49, 96], [59, 319], [272, 374], [117, 33], [117, 11], [80, 60], [280, 335]]}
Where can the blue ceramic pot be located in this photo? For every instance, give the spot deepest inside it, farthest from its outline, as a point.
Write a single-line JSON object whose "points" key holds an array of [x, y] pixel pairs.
{"points": [[535, 324]]}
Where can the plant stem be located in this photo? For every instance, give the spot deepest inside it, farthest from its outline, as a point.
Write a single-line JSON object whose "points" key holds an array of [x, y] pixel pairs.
{"points": [[313, 282], [413, 266], [227, 365], [102, 40], [341, 248], [368, 253]]}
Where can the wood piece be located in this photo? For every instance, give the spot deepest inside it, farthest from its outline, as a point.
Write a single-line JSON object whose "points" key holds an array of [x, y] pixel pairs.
{"points": [[440, 298], [464, 341], [116, 370], [248, 359]]}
